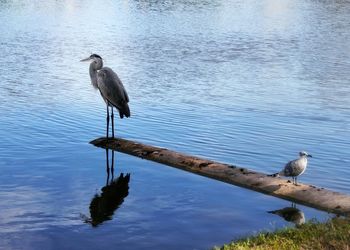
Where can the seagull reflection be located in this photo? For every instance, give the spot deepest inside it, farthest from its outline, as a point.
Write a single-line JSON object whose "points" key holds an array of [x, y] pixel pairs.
{"points": [[291, 214], [103, 205]]}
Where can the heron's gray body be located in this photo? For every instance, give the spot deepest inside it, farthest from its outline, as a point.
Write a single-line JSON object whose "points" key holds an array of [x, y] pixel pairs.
{"points": [[113, 91], [111, 88]]}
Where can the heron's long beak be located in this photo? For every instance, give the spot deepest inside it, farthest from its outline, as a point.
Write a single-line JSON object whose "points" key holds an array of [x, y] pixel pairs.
{"points": [[85, 60], [309, 155]]}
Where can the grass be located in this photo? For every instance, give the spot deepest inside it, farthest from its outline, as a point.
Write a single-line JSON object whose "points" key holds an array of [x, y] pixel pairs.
{"points": [[333, 234]]}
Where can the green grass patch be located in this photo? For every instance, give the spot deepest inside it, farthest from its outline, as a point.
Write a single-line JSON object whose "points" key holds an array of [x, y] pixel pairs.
{"points": [[333, 234]]}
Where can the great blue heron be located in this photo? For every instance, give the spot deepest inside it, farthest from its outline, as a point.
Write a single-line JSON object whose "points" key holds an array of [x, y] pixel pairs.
{"points": [[104, 204], [111, 88], [295, 168]]}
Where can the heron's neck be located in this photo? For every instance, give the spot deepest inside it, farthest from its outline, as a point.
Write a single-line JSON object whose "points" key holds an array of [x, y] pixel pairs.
{"points": [[94, 67]]}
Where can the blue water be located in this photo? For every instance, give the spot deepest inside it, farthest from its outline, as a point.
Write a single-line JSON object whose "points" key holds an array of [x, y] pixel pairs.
{"points": [[249, 83]]}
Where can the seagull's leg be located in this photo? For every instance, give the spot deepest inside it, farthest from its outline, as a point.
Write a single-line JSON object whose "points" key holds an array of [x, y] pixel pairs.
{"points": [[107, 121], [112, 116]]}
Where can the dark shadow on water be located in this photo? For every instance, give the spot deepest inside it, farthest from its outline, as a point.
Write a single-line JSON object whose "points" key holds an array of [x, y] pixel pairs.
{"points": [[291, 214], [103, 205]]}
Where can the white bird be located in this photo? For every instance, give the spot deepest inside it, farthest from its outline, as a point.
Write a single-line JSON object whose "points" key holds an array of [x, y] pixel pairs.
{"points": [[290, 214], [295, 168], [110, 86]]}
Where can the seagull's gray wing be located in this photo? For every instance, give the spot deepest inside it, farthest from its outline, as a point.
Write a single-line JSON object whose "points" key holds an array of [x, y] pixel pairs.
{"points": [[293, 168], [288, 169]]}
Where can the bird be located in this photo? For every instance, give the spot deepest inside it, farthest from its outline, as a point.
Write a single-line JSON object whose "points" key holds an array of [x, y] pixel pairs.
{"points": [[111, 88], [290, 214], [295, 167], [105, 203]]}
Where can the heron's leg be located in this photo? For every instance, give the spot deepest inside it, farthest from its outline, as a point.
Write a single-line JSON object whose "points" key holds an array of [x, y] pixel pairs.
{"points": [[296, 182], [107, 166], [107, 121], [112, 165], [112, 116]]}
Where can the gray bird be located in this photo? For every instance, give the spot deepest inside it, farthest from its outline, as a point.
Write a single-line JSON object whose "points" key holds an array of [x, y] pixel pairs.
{"points": [[295, 168], [290, 214], [111, 88]]}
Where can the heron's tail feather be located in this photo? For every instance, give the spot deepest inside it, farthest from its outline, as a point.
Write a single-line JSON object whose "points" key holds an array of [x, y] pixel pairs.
{"points": [[124, 111]]}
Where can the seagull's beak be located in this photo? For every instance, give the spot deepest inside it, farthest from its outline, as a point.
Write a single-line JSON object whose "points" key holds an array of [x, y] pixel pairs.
{"points": [[85, 60]]}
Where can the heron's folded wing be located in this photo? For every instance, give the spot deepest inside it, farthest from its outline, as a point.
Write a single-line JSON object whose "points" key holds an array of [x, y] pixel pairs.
{"points": [[111, 87]]}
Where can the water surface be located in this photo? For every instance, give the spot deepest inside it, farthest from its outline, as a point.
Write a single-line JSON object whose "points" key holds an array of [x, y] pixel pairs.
{"points": [[249, 83]]}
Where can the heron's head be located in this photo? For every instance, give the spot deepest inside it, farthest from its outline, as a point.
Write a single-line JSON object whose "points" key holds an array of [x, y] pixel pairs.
{"points": [[92, 58], [303, 153], [96, 62]]}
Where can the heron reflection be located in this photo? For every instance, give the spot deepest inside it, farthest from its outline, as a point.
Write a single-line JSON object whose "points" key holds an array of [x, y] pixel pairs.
{"points": [[112, 195], [291, 214]]}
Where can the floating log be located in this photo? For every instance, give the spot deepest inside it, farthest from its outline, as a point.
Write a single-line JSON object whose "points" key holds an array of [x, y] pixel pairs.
{"points": [[308, 195]]}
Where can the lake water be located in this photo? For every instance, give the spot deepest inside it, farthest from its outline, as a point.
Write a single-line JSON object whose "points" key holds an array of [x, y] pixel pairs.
{"points": [[249, 83]]}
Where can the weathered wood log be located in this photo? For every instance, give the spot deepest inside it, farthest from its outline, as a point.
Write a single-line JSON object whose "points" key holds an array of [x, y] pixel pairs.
{"points": [[308, 195]]}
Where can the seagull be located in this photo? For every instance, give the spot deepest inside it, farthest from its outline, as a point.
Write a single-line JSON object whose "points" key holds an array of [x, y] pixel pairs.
{"points": [[290, 214], [295, 168]]}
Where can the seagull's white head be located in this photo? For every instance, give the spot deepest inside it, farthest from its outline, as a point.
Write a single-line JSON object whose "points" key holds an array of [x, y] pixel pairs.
{"points": [[304, 153]]}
